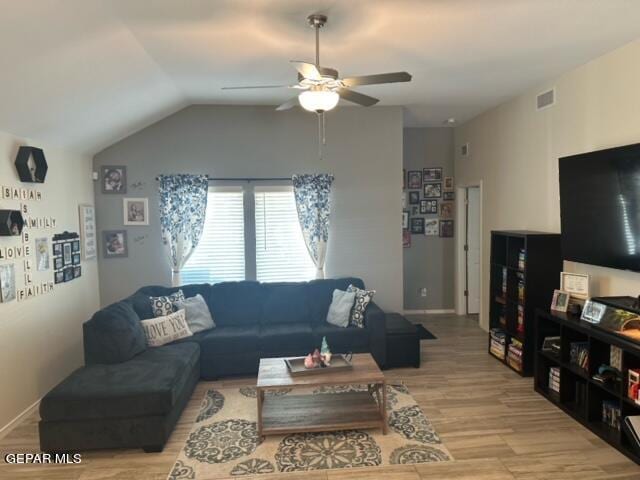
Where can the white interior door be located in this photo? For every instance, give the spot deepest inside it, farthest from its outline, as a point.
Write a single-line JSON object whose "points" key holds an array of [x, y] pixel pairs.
{"points": [[473, 250]]}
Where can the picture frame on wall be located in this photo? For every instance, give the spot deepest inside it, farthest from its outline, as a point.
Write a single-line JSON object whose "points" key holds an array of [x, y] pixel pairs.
{"points": [[68, 274], [432, 227], [414, 210], [414, 198], [114, 244], [58, 264], [58, 277], [406, 238], [414, 179], [66, 253], [430, 207], [76, 259], [404, 179], [135, 211], [448, 183], [113, 179], [75, 246], [446, 210], [89, 242], [417, 225], [7, 283], [432, 190], [77, 271], [449, 196], [446, 228], [432, 174], [405, 219], [57, 249], [42, 254]]}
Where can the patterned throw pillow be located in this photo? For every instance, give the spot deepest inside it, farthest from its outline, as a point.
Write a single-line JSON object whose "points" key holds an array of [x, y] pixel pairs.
{"points": [[162, 306], [363, 297], [162, 330]]}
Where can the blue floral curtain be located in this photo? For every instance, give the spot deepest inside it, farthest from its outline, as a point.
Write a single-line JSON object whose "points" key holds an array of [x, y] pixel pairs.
{"points": [[312, 193], [183, 204]]}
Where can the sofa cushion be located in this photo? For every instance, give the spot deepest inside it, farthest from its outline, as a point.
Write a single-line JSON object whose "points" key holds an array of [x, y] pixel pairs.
{"points": [[340, 308], [113, 335], [343, 340], [286, 340], [148, 384], [223, 340], [236, 303], [142, 304], [320, 294], [162, 330], [285, 303]]}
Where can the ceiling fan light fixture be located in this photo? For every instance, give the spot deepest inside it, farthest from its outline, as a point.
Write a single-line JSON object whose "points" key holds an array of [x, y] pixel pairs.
{"points": [[318, 101]]}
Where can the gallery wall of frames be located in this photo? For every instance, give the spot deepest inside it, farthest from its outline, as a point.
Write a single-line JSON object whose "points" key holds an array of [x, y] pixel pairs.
{"points": [[427, 203]]}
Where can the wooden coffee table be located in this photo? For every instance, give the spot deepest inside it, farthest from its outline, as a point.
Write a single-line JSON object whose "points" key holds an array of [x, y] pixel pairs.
{"points": [[283, 414]]}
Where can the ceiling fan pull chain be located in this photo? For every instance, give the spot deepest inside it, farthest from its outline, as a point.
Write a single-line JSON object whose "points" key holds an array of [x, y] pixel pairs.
{"points": [[320, 135]]}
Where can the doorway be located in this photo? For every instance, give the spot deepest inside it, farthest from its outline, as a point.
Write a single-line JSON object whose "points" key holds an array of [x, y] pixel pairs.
{"points": [[472, 249]]}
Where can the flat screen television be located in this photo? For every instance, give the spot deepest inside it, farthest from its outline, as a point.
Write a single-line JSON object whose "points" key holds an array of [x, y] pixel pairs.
{"points": [[600, 207]]}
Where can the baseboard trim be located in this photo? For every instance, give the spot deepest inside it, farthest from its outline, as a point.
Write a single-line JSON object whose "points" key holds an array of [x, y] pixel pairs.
{"points": [[428, 312], [4, 431]]}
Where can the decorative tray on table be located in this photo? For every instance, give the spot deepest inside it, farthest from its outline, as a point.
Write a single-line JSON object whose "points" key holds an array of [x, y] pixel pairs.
{"points": [[339, 361]]}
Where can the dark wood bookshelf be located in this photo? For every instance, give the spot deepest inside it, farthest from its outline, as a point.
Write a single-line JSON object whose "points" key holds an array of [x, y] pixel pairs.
{"points": [[540, 275], [571, 329]]}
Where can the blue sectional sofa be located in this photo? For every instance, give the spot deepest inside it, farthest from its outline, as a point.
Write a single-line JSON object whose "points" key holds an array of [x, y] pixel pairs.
{"points": [[128, 395]]}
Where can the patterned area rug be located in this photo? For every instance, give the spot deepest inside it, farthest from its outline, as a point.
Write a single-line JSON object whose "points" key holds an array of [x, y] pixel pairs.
{"points": [[224, 441]]}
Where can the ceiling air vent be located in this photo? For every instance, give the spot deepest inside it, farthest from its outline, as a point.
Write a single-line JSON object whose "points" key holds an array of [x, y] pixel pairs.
{"points": [[546, 99]]}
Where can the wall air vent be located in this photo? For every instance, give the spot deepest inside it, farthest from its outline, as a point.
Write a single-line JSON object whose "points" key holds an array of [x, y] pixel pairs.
{"points": [[546, 99]]}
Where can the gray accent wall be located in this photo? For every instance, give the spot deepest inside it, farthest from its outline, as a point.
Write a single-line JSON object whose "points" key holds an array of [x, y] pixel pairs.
{"points": [[429, 262], [363, 151]]}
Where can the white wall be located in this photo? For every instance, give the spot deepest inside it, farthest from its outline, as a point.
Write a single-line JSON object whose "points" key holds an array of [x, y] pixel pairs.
{"points": [[363, 152], [41, 338], [514, 150]]}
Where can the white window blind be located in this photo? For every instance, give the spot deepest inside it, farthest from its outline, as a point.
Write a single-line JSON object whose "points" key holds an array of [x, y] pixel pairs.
{"points": [[281, 255], [219, 257]]}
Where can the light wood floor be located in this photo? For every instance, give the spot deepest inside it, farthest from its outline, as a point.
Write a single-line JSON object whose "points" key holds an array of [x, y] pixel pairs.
{"points": [[490, 419]]}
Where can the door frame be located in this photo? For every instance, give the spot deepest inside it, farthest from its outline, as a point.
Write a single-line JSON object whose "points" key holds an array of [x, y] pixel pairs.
{"points": [[460, 257]]}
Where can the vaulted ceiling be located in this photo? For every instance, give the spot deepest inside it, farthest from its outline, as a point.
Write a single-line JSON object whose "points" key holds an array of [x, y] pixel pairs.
{"points": [[82, 74]]}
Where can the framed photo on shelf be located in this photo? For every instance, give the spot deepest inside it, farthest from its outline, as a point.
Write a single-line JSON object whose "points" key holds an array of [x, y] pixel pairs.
{"points": [[414, 197], [560, 301], [432, 190], [575, 284], [432, 227], [135, 211], [405, 219], [593, 312], [448, 195], [433, 174], [417, 225], [446, 210], [448, 183], [414, 179], [114, 179], [446, 228]]}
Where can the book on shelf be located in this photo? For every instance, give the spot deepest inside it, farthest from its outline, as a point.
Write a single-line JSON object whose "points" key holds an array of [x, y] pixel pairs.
{"points": [[498, 343], [521, 259], [611, 414], [554, 379], [633, 384], [579, 354], [521, 287], [520, 324]]}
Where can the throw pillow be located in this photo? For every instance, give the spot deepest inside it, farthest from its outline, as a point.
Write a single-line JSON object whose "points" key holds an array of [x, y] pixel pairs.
{"points": [[363, 297], [162, 330], [340, 308], [197, 313], [163, 306]]}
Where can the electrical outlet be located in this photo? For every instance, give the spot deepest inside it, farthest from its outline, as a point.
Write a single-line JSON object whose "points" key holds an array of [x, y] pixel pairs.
{"points": [[423, 292]]}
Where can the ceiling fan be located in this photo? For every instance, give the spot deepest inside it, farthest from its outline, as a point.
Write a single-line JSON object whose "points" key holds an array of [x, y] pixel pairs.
{"points": [[322, 88]]}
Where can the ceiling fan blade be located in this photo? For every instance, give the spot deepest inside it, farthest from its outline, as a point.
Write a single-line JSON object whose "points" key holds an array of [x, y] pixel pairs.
{"points": [[355, 97], [307, 70], [255, 86], [375, 79], [292, 102]]}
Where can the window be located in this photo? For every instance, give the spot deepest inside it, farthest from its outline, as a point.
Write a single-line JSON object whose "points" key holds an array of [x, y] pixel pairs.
{"points": [[219, 256], [281, 254]]}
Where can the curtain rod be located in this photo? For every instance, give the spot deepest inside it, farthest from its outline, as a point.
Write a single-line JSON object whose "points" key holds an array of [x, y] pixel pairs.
{"points": [[244, 179]]}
